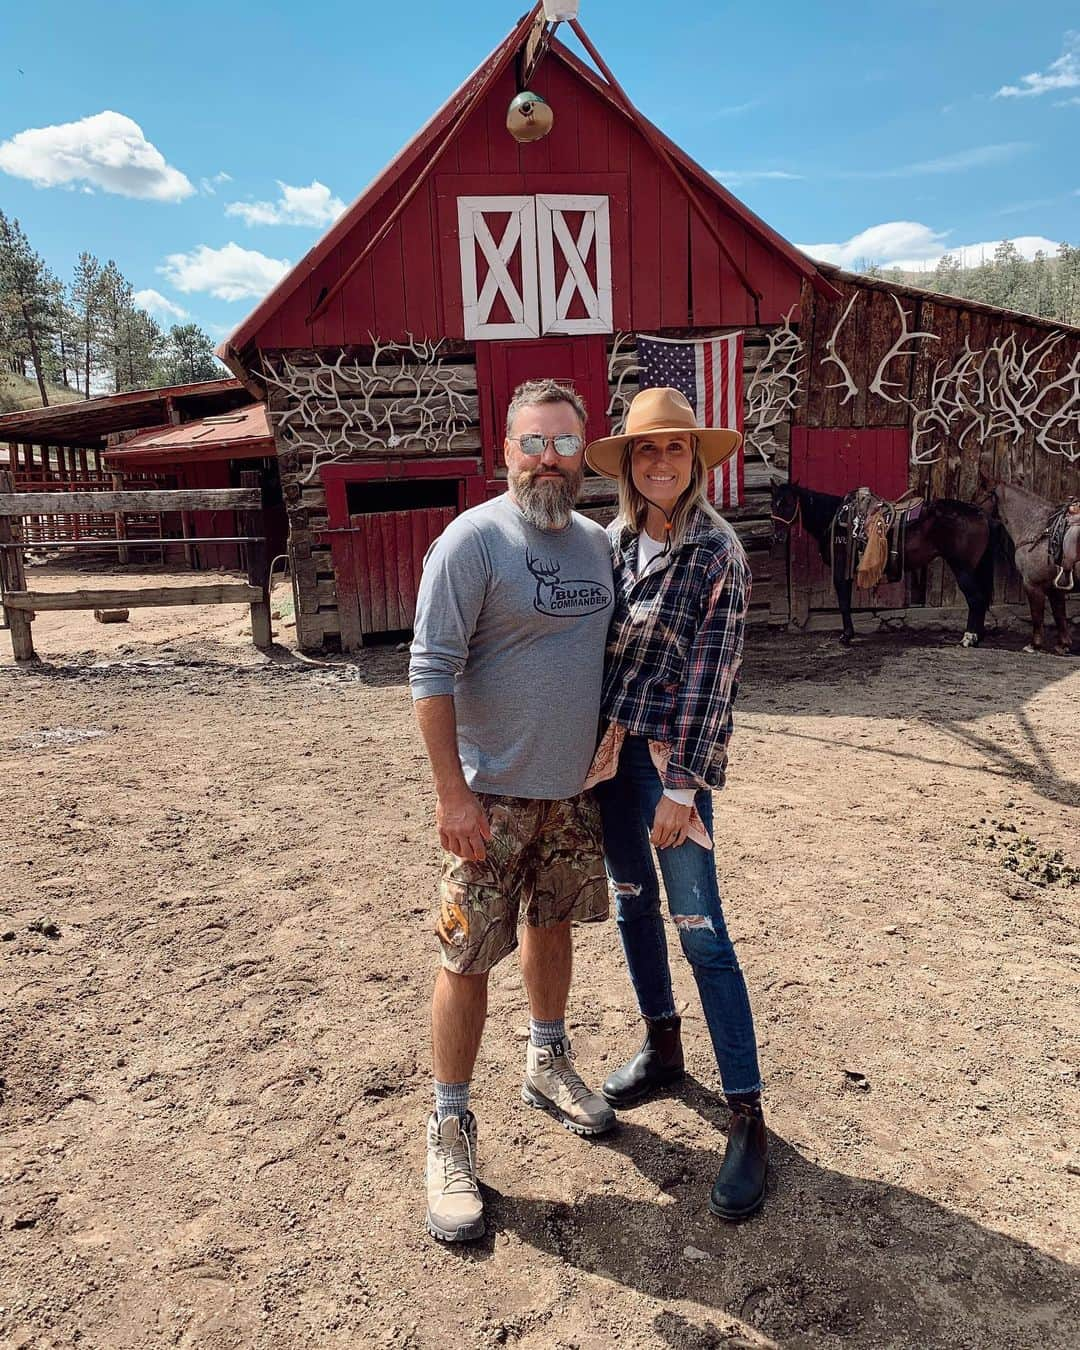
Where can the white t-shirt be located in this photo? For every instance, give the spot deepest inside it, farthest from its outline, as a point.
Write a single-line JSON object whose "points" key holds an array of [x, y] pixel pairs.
{"points": [[649, 548]]}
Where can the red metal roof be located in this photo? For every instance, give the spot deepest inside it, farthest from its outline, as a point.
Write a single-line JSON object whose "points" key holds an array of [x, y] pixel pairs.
{"points": [[241, 434]]}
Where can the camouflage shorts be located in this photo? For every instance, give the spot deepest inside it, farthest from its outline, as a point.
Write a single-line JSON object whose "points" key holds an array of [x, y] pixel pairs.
{"points": [[544, 865]]}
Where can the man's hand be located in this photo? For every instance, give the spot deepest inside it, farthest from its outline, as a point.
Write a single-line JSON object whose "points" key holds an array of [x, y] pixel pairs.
{"points": [[463, 825], [670, 823]]}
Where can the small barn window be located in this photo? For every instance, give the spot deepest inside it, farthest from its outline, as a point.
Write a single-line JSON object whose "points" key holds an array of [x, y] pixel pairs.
{"points": [[402, 494]]}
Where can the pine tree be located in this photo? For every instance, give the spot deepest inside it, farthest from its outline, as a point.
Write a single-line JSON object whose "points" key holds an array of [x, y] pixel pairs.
{"points": [[189, 356], [947, 275], [26, 284], [86, 301]]}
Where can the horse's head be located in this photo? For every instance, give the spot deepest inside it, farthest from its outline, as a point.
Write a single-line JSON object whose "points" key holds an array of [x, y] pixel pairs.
{"points": [[785, 509], [986, 496]]}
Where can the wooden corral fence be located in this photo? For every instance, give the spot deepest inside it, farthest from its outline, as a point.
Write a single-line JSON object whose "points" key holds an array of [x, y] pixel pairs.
{"points": [[20, 606]]}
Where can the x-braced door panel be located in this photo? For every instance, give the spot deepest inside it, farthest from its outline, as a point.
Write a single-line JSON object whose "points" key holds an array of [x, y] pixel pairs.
{"points": [[512, 255], [584, 261], [535, 265]]}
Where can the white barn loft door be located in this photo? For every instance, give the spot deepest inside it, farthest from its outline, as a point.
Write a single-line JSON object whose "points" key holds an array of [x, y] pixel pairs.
{"points": [[587, 257], [518, 236], [561, 268]]}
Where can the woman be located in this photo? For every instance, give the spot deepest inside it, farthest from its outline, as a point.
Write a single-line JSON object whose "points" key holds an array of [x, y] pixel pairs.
{"points": [[681, 590]]}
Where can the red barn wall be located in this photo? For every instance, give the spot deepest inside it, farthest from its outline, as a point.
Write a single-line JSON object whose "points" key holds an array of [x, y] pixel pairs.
{"points": [[667, 270]]}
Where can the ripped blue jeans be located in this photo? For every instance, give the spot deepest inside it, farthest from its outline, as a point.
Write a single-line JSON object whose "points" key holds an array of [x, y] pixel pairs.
{"points": [[627, 804]]}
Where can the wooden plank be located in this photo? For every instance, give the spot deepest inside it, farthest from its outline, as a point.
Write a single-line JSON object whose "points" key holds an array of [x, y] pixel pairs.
{"points": [[403, 561], [369, 528], [645, 227], [13, 578], [151, 597], [82, 503], [362, 573], [258, 565]]}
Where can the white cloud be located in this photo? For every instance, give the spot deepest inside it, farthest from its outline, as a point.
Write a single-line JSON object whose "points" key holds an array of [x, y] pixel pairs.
{"points": [[733, 177], [896, 238], [229, 273], [737, 109], [915, 248], [1068, 102], [107, 151], [956, 162], [313, 206], [1064, 73], [159, 305], [208, 186], [974, 158]]}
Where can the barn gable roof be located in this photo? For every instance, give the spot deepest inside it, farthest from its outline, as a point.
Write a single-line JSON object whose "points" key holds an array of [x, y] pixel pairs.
{"points": [[331, 261]]}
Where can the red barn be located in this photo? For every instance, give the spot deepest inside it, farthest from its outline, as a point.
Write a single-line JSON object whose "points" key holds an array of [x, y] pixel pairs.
{"points": [[473, 262], [388, 355]]}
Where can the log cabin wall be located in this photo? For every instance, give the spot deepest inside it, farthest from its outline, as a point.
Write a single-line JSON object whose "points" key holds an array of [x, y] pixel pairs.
{"points": [[398, 412]]}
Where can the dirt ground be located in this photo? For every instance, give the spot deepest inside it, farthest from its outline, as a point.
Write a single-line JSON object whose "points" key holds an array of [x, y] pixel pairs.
{"points": [[217, 874]]}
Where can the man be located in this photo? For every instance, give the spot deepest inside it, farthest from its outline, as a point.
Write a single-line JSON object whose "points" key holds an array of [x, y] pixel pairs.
{"points": [[506, 670]]}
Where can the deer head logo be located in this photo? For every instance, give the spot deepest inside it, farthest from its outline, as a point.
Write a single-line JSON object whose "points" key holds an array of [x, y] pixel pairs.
{"points": [[564, 599]]}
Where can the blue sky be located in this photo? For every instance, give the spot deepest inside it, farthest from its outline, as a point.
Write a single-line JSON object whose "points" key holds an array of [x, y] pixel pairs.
{"points": [[873, 131]]}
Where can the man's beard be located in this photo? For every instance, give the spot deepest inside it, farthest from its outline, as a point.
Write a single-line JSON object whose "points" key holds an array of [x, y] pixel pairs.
{"points": [[546, 503]]}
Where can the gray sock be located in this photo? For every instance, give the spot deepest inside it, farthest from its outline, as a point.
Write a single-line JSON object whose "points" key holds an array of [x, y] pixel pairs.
{"points": [[451, 1099], [547, 1033]]}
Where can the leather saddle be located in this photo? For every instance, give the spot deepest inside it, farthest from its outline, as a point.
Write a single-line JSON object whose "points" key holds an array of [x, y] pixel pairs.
{"points": [[1061, 524], [867, 537]]}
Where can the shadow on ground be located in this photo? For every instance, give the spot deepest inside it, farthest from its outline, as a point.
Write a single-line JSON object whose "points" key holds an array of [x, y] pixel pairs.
{"points": [[831, 1256]]}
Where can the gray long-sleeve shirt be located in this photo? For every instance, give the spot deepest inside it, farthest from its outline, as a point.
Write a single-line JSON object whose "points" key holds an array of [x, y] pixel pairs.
{"points": [[512, 621]]}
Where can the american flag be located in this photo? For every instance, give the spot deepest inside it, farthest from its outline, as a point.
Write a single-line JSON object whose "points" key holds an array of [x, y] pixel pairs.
{"points": [[710, 374]]}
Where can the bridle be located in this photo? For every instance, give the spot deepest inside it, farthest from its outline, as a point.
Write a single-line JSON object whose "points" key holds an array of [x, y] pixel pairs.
{"points": [[797, 517]]}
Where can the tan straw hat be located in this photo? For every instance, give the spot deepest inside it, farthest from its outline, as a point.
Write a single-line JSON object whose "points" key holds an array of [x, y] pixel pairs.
{"points": [[656, 411]]}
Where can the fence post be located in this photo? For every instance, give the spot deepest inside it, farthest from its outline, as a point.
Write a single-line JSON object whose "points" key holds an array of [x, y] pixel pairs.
{"points": [[254, 524], [122, 553], [13, 578]]}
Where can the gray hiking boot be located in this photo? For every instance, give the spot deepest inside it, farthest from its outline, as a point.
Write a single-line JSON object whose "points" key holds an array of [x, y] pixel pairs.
{"points": [[455, 1211], [553, 1084]]}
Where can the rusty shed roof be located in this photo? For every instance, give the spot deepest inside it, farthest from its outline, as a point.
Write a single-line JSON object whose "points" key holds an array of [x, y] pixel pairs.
{"points": [[243, 433], [89, 422]]}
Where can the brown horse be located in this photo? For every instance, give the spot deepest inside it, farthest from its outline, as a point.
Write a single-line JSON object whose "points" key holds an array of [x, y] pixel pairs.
{"points": [[1027, 520], [953, 530]]}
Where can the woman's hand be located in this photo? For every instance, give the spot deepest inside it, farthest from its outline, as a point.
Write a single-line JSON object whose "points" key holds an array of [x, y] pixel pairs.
{"points": [[670, 823]]}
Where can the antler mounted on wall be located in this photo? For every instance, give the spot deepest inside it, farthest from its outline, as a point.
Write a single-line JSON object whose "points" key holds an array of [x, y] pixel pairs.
{"points": [[846, 381], [1000, 392], [407, 396], [879, 384], [772, 392], [622, 364]]}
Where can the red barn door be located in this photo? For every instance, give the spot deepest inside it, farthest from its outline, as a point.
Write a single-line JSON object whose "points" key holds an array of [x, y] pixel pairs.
{"points": [[502, 366], [836, 460]]}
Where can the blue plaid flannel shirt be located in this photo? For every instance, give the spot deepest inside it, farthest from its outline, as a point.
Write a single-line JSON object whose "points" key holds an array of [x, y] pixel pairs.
{"points": [[675, 647]]}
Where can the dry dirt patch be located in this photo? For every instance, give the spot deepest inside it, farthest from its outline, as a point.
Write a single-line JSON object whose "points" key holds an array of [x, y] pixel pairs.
{"points": [[215, 911]]}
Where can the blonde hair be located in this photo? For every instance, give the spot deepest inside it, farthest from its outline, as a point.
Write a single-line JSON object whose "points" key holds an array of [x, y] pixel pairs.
{"points": [[633, 507]]}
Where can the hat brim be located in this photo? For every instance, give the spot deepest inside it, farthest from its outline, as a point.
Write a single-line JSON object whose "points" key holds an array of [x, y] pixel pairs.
{"points": [[714, 445]]}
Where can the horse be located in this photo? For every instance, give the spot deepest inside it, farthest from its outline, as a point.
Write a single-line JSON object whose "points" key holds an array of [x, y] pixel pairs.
{"points": [[956, 531], [1028, 522]]}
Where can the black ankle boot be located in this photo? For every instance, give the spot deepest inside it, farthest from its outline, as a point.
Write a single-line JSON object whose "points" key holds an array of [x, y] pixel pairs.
{"points": [[658, 1063], [739, 1189]]}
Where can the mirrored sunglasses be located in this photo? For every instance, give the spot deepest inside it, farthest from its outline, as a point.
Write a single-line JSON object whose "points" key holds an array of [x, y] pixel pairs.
{"points": [[566, 446]]}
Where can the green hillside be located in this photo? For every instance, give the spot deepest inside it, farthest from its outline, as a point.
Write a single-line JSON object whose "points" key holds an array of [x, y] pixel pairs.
{"points": [[18, 395]]}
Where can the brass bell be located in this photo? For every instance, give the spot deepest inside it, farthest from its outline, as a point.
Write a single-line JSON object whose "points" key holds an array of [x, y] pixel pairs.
{"points": [[529, 117]]}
